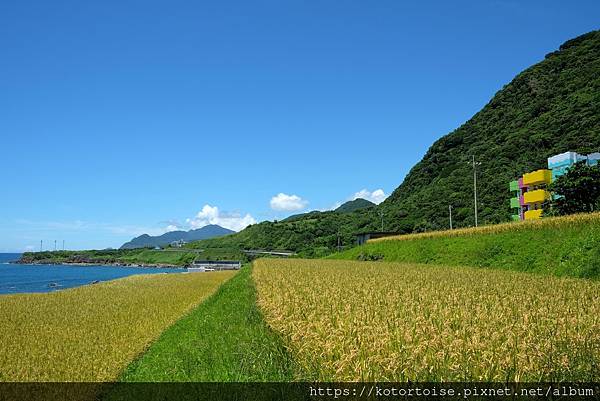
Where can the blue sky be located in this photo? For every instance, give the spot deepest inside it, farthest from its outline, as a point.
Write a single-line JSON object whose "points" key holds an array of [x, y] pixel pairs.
{"points": [[124, 117]]}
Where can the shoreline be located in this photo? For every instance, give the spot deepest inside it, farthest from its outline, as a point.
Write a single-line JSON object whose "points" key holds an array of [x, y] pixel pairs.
{"points": [[99, 264]]}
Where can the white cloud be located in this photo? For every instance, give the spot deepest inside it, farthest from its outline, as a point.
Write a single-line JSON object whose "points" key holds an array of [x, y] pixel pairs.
{"points": [[335, 206], [287, 203], [212, 215], [376, 196]]}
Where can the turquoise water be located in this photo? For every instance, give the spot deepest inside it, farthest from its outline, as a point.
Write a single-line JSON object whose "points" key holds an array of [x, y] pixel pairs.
{"points": [[46, 278]]}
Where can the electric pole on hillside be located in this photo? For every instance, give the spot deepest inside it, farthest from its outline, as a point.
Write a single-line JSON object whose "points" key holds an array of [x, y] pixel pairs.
{"points": [[475, 164], [450, 210], [381, 214]]}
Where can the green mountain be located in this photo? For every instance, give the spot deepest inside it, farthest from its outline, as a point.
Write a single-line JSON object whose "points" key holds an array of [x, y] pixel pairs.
{"points": [[353, 205], [346, 207], [146, 241], [311, 235], [550, 108]]}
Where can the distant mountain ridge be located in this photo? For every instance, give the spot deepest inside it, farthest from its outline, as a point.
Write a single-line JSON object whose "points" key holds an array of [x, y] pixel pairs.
{"points": [[356, 204], [206, 232]]}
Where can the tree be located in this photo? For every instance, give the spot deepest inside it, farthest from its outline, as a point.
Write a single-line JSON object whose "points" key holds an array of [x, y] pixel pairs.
{"points": [[578, 191]]}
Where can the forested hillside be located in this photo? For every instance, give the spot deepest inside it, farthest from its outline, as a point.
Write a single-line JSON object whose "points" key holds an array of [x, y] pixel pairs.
{"points": [[550, 108], [313, 234]]}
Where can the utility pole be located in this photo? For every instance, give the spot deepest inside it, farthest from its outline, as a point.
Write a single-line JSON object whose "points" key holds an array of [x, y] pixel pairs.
{"points": [[339, 244], [381, 214], [450, 210], [475, 164]]}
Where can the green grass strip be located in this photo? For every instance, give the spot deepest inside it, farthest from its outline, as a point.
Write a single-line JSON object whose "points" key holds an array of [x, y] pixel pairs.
{"points": [[224, 339], [559, 247]]}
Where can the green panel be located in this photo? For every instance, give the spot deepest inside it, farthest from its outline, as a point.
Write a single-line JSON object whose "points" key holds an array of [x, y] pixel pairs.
{"points": [[516, 217], [514, 185], [514, 203]]}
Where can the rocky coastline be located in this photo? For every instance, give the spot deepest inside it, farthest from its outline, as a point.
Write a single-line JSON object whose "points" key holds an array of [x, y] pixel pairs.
{"points": [[88, 262]]}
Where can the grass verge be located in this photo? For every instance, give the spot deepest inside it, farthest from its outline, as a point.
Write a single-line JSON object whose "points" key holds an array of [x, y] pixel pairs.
{"points": [[563, 246], [224, 339]]}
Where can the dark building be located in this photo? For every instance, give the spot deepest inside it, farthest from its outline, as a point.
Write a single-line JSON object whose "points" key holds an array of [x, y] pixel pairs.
{"points": [[362, 238]]}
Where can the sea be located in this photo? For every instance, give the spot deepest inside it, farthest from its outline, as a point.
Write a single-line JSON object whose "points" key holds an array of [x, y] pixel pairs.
{"points": [[47, 278]]}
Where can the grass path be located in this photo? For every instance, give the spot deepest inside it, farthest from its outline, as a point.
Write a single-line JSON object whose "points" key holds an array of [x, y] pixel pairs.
{"points": [[224, 339]]}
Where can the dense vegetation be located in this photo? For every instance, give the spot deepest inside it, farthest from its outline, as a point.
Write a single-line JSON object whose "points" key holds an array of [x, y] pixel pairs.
{"points": [[560, 246], [314, 234], [578, 191], [550, 108], [143, 257], [113, 256]]}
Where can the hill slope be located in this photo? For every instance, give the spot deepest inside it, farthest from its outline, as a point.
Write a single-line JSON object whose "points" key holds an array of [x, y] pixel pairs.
{"points": [[353, 205], [145, 240], [560, 246], [551, 107], [311, 235]]}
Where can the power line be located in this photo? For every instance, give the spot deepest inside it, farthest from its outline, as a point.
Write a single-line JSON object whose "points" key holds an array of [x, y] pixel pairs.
{"points": [[475, 164]]}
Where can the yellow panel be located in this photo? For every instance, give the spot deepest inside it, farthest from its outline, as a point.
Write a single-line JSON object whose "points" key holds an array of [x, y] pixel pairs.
{"points": [[533, 214], [543, 176], [537, 196]]}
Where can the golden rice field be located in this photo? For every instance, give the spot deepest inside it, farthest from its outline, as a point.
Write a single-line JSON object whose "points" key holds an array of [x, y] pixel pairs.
{"points": [[92, 332], [355, 321], [560, 222]]}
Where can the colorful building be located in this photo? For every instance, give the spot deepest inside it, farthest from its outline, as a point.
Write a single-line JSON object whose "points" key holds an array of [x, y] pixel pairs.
{"points": [[593, 159], [560, 163], [530, 191]]}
